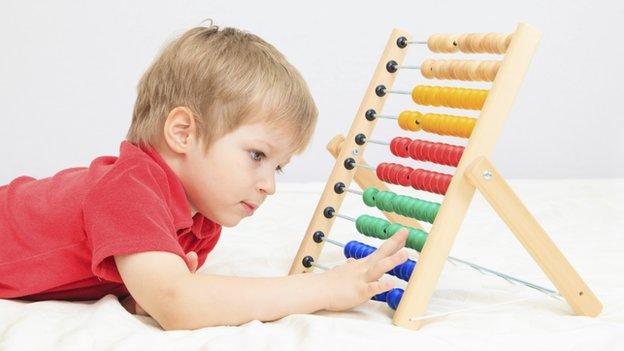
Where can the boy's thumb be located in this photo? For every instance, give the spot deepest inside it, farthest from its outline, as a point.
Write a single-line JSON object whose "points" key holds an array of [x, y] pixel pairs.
{"points": [[192, 257]]}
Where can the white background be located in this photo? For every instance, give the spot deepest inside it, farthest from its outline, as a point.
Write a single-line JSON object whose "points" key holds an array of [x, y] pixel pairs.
{"points": [[68, 73]]}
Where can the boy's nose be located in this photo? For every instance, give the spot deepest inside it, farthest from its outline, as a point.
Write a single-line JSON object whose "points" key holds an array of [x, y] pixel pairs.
{"points": [[267, 185]]}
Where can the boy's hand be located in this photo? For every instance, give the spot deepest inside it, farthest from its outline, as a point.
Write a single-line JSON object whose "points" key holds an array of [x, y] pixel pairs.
{"points": [[355, 282], [131, 306]]}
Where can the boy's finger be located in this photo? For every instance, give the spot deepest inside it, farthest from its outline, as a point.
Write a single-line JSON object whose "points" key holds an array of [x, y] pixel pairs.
{"points": [[386, 264], [390, 246], [139, 310], [377, 287], [192, 265]]}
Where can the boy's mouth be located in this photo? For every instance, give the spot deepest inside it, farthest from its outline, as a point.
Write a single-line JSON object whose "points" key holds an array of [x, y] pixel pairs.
{"points": [[249, 207]]}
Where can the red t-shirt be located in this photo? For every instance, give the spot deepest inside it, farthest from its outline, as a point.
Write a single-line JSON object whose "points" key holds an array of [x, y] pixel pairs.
{"points": [[58, 235]]}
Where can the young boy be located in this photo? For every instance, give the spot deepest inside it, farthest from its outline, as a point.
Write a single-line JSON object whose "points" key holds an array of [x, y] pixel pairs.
{"points": [[217, 114]]}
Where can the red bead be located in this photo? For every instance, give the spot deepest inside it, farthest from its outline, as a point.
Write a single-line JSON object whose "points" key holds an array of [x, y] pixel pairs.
{"points": [[404, 176], [403, 145], [380, 170], [393, 146], [440, 153], [430, 181]]}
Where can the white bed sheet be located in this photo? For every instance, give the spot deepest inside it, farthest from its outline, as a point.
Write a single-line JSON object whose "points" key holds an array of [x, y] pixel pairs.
{"points": [[585, 218]]}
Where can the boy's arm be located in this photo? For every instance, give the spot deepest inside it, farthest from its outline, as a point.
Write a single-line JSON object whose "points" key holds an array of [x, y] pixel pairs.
{"points": [[177, 299]]}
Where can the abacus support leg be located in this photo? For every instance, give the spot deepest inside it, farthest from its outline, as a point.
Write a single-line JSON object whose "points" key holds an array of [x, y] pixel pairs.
{"points": [[482, 174]]}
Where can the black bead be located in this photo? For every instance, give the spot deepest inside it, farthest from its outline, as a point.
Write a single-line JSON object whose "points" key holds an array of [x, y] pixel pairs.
{"points": [[360, 139], [339, 187], [370, 114], [349, 163], [380, 90], [318, 236], [402, 42], [307, 261], [328, 212], [392, 66]]}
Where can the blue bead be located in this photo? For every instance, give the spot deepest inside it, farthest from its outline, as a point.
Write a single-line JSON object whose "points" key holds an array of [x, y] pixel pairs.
{"points": [[394, 297], [380, 297]]}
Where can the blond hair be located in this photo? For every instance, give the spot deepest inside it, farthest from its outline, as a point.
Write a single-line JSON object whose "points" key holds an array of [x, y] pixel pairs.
{"points": [[225, 78]]}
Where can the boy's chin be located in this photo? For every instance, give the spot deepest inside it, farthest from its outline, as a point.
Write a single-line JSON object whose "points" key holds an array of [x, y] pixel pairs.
{"points": [[229, 221]]}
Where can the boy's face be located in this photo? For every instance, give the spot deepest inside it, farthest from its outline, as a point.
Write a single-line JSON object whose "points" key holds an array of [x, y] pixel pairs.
{"points": [[236, 174]]}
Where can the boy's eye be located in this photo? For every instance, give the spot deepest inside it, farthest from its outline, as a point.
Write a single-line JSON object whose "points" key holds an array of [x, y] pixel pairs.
{"points": [[257, 155]]}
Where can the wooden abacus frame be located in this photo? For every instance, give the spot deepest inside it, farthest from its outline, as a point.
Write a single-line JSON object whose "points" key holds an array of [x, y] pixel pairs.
{"points": [[474, 171]]}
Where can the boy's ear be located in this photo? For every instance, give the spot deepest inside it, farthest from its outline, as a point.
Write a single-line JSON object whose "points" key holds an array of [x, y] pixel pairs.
{"points": [[179, 129]]}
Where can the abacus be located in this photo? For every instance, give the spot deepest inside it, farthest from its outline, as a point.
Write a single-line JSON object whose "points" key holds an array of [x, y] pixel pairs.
{"points": [[473, 170]]}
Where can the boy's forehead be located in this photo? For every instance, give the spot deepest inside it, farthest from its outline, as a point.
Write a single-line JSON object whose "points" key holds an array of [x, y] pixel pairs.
{"points": [[276, 146], [277, 139]]}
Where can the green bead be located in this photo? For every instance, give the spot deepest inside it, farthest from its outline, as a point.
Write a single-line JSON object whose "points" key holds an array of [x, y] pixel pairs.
{"points": [[369, 196], [380, 228], [392, 229], [371, 226], [405, 206], [384, 201], [416, 239]]}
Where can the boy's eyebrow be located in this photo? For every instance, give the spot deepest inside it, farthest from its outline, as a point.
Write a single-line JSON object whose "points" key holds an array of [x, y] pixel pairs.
{"points": [[271, 147], [266, 143]]}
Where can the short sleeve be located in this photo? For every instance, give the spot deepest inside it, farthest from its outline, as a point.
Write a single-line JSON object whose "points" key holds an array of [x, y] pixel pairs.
{"points": [[127, 212]]}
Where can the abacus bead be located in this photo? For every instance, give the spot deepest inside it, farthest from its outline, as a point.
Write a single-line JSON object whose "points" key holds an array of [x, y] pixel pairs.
{"points": [[406, 269], [432, 43], [360, 223], [413, 122], [416, 239], [380, 229], [380, 297], [404, 176], [393, 297], [369, 196], [457, 69], [380, 171], [349, 248], [473, 71], [393, 228], [396, 173], [438, 70], [461, 42], [403, 146], [507, 40], [389, 172], [404, 118], [394, 147], [488, 40], [384, 200], [426, 69]]}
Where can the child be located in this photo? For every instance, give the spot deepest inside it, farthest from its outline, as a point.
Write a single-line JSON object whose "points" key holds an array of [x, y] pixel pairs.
{"points": [[217, 114]]}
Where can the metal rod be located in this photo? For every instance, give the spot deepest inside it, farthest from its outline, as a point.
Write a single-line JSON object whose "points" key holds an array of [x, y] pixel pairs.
{"points": [[417, 42], [408, 67], [404, 92], [506, 277], [355, 191], [319, 266], [364, 166], [387, 116], [337, 243], [345, 217], [380, 142]]}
